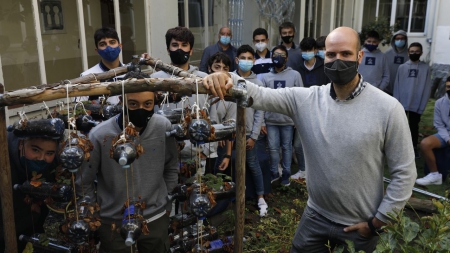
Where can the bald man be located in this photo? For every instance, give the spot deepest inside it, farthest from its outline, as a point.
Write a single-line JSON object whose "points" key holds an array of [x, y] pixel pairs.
{"points": [[223, 45], [348, 129]]}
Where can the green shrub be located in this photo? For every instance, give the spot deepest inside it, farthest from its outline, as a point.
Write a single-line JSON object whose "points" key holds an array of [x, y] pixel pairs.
{"points": [[381, 26]]}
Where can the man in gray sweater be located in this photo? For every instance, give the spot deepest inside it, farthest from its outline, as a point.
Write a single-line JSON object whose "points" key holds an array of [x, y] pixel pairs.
{"points": [[151, 177], [349, 129]]}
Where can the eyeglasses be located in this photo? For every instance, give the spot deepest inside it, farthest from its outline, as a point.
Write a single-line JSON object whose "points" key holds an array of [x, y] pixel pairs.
{"points": [[415, 52], [278, 54]]}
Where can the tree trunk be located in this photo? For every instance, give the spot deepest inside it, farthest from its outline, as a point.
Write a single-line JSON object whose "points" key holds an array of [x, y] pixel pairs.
{"points": [[424, 205]]}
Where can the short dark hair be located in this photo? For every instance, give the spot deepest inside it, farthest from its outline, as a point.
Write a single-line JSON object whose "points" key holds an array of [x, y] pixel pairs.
{"points": [[308, 43], [245, 49], [105, 32], [286, 24], [181, 34], [320, 42], [219, 57], [260, 31], [448, 79], [281, 47], [415, 44], [373, 34]]}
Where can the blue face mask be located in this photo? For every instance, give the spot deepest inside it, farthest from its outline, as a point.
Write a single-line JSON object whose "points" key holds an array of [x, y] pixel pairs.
{"points": [[110, 54], [370, 47], [225, 40], [321, 54], [308, 55], [34, 165], [400, 43], [245, 65]]}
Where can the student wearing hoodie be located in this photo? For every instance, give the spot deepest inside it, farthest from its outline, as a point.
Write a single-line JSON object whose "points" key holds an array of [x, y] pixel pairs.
{"points": [[439, 140], [412, 89], [374, 67], [180, 46], [280, 128], [254, 118], [396, 56], [287, 34]]}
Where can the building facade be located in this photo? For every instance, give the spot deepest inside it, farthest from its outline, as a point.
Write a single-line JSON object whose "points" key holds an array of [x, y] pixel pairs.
{"points": [[45, 41]]}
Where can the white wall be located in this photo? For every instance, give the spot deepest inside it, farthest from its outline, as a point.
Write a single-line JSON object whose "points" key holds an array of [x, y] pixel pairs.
{"points": [[161, 19], [441, 38]]}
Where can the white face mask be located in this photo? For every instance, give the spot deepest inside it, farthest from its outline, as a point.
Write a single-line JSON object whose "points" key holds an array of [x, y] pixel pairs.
{"points": [[260, 46]]}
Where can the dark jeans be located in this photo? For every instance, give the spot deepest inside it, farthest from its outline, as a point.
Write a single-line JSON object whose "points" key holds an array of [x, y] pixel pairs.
{"points": [[413, 120], [157, 241], [315, 232]]}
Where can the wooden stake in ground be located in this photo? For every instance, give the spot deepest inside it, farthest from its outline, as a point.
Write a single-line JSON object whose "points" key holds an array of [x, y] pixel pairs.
{"points": [[6, 186], [240, 180]]}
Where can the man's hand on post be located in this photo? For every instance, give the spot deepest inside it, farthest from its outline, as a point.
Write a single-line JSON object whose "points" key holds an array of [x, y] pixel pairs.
{"points": [[218, 83]]}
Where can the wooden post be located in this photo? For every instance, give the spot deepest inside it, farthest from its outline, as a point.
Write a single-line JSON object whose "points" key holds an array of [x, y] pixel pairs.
{"points": [[240, 180], [6, 186]]}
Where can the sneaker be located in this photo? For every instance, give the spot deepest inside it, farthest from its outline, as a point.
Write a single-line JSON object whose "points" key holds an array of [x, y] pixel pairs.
{"points": [[299, 174], [275, 177], [262, 207], [430, 179], [285, 180]]}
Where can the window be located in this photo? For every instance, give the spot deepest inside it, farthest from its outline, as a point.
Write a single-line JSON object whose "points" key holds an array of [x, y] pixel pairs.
{"points": [[410, 15], [407, 15]]}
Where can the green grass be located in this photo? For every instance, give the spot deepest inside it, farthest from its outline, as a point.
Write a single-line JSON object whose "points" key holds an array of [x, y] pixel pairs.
{"points": [[426, 128]]}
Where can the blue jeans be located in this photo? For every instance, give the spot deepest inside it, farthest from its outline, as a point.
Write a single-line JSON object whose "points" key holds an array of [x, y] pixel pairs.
{"points": [[280, 136], [299, 151], [252, 164], [315, 231]]}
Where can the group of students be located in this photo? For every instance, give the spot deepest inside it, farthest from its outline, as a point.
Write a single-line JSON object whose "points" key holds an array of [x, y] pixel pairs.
{"points": [[285, 65]]}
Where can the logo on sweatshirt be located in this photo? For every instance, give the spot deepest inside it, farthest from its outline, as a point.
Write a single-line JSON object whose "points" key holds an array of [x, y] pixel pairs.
{"points": [[310, 79], [279, 84], [413, 73], [399, 59], [370, 60]]}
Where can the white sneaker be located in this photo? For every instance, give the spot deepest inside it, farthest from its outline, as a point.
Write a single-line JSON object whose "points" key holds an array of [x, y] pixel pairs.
{"points": [[430, 179], [262, 207], [299, 174]]}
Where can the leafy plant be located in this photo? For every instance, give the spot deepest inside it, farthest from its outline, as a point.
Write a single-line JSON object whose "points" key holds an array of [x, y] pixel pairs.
{"points": [[404, 235], [382, 26]]}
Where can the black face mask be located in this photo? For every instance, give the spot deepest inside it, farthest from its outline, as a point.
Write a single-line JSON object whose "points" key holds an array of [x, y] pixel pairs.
{"points": [[179, 57], [287, 39], [278, 61], [139, 117], [341, 72], [414, 57]]}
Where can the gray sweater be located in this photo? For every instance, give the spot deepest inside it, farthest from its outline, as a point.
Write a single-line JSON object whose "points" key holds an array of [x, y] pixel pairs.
{"points": [[412, 86], [374, 68], [442, 117], [395, 57], [286, 78], [154, 174], [345, 145], [254, 119]]}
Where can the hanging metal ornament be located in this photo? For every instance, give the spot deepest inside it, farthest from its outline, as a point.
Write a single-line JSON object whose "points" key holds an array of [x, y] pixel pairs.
{"points": [[124, 150], [199, 203], [199, 131], [130, 230], [125, 154], [76, 149]]}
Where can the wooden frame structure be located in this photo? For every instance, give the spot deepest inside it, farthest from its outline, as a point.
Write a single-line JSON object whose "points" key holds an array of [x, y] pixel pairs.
{"points": [[88, 85]]}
